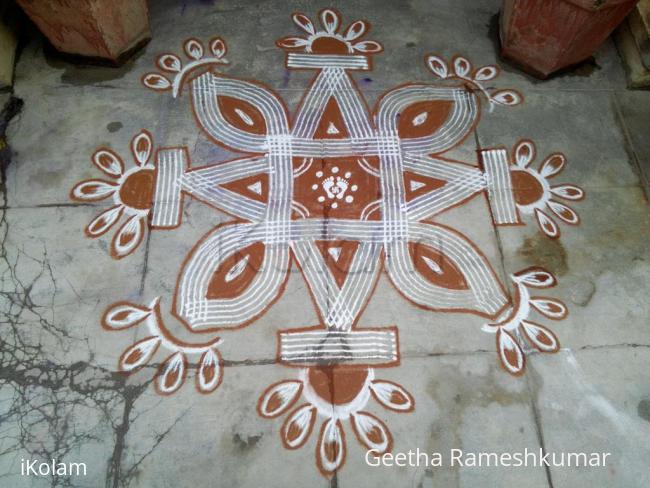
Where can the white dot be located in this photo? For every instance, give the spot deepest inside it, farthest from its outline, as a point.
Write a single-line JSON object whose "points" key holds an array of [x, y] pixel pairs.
{"points": [[335, 169], [355, 187], [348, 174], [335, 204], [321, 198], [319, 173], [349, 198], [314, 186]]}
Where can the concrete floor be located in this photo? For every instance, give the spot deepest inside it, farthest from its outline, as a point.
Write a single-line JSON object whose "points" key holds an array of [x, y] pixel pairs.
{"points": [[61, 397]]}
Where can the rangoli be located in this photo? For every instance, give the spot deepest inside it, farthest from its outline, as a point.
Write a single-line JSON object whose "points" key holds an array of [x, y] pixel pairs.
{"points": [[341, 191]]}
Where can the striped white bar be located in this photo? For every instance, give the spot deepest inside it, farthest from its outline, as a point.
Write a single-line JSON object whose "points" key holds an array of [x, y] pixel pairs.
{"points": [[307, 348], [167, 200], [499, 185], [302, 60]]}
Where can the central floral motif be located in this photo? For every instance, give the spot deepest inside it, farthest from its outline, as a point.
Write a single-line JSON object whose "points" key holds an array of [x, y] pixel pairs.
{"points": [[344, 192]]}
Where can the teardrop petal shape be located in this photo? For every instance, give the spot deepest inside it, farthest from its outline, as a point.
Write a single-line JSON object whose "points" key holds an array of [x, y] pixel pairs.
{"points": [[108, 162], [141, 146], [302, 21], [194, 49], [567, 214], [356, 30], [553, 165], [540, 337], [330, 20], [292, 42], [436, 267], [547, 225], [170, 62], [368, 47], [92, 190], [525, 153], [124, 315], [278, 398], [298, 426], [138, 354], [156, 81], [127, 239], [210, 373], [104, 221], [372, 432], [171, 374], [462, 66], [551, 308], [568, 192], [218, 47], [510, 354], [330, 454], [536, 277], [392, 396], [507, 97], [486, 73], [438, 66]]}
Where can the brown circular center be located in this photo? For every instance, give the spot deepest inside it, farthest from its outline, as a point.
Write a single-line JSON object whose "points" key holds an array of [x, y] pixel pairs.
{"points": [[525, 187], [329, 45], [137, 190], [337, 385]]}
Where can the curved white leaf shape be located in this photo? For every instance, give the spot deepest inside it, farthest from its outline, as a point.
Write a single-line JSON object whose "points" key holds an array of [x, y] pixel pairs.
{"points": [[237, 269], [507, 97], [537, 278], [93, 190], [171, 374], [511, 355], [278, 398], [462, 66], [331, 446], [486, 73], [194, 49], [127, 239], [355, 30], [138, 354], [420, 118], [438, 66], [170, 62], [302, 21], [553, 309], [298, 425], [292, 42], [108, 162], [565, 213], [568, 192], [218, 47], [330, 20], [540, 337], [104, 221], [392, 396], [553, 165], [368, 47], [125, 315], [156, 81], [525, 153], [141, 146], [547, 225], [372, 432], [210, 372]]}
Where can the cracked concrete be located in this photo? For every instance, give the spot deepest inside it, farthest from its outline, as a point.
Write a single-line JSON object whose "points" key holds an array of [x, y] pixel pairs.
{"points": [[60, 394]]}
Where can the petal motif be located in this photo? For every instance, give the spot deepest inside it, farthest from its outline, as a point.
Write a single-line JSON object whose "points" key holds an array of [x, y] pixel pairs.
{"points": [[553, 165], [156, 81], [302, 21], [210, 373], [278, 398], [486, 73], [124, 315], [547, 225], [356, 30], [292, 42], [438, 66], [141, 146], [507, 97], [565, 213], [298, 425], [127, 239], [368, 47], [194, 48], [553, 309], [372, 432], [218, 47], [536, 277], [138, 354], [524, 153], [171, 374], [330, 454], [568, 192], [462, 66], [104, 221], [170, 62], [392, 396], [540, 337], [330, 20], [511, 356], [92, 190], [108, 162]]}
